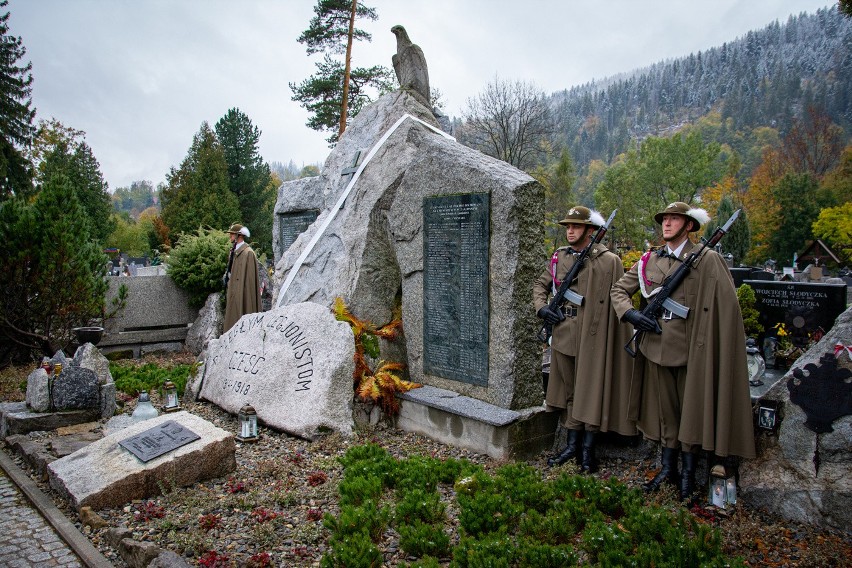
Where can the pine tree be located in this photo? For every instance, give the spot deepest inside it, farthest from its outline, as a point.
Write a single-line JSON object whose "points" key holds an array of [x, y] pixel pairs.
{"points": [[249, 177], [82, 170], [16, 126], [336, 91], [54, 273], [197, 194]]}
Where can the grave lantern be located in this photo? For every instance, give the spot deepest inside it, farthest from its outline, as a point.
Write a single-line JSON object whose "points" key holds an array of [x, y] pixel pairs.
{"points": [[171, 397], [248, 424], [722, 489], [144, 409]]}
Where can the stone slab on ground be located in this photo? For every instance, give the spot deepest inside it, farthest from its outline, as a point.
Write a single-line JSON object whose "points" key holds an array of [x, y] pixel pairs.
{"points": [[466, 422], [16, 418], [103, 474], [293, 364]]}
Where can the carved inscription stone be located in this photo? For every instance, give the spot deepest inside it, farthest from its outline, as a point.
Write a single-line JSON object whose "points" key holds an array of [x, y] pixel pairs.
{"points": [[293, 364], [291, 225], [455, 287]]}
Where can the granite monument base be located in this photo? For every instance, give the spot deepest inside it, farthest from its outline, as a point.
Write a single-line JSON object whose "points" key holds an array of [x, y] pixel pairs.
{"points": [[465, 422]]}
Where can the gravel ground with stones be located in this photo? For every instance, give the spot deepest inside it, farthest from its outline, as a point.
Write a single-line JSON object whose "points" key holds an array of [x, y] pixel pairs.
{"points": [[274, 501]]}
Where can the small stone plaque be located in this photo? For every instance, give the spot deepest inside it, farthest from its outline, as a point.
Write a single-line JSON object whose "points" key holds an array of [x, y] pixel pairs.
{"points": [[159, 440], [291, 225], [456, 286]]}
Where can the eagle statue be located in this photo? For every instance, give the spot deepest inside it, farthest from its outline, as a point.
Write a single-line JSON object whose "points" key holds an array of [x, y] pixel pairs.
{"points": [[410, 66]]}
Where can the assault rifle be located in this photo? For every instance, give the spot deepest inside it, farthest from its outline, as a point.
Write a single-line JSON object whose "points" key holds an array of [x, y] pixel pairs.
{"points": [[662, 301], [564, 292]]}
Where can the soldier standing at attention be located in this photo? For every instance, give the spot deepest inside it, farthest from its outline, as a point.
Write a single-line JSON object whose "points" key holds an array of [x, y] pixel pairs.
{"points": [[693, 382], [241, 281], [589, 370]]}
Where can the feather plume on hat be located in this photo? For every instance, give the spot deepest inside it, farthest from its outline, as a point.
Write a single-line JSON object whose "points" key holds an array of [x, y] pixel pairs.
{"points": [[596, 218], [699, 215]]}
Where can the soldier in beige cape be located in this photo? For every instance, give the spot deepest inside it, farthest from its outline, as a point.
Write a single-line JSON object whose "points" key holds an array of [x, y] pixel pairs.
{"points": [[241, 280], [694, 379], [589, 370]]}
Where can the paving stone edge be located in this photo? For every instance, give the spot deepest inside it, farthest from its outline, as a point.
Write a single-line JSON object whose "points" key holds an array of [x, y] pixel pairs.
{"points": [[89, 555]]}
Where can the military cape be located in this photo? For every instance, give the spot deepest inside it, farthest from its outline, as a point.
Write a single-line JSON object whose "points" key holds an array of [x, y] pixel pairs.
{"points": [[603, 368], [243, 295], [716, 412]]}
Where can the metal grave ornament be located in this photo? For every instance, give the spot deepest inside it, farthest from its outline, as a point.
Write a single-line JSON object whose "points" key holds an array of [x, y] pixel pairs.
{"points": [[824, 393], [159, 440]]}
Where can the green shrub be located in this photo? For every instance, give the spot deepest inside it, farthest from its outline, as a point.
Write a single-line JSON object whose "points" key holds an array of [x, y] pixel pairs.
{"points": [[523, 484], [555, 528], [422, 539], [370, 461], [426, 562], [353, 551], [495, 551], [512, 518], [419, 472], [751, 317], [532, 554], [419, 505], [608, 544], [355, 490], [198, 262], [367, 517], [132, 380], [486, 512]]}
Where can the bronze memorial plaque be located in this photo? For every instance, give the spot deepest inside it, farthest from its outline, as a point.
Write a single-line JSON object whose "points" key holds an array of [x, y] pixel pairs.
{"points": [[456, 281], [159, 440]]}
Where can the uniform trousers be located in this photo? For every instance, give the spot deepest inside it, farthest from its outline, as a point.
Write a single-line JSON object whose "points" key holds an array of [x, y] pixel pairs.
{"points": [[562, 368], [671, 384]]}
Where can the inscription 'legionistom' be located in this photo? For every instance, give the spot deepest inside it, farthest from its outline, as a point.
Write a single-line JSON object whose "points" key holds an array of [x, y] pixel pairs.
{"points": [[252, 363]]}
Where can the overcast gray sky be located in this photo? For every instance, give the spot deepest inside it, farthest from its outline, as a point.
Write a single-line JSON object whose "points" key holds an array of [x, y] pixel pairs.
{"points": [[140, 76]]}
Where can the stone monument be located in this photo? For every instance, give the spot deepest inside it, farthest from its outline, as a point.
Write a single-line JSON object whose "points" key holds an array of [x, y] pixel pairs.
{"points": [[292, 364], [450, 237]]}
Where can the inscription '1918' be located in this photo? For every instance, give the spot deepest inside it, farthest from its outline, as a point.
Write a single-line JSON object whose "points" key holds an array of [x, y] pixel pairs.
{"points": [[239, 387]]}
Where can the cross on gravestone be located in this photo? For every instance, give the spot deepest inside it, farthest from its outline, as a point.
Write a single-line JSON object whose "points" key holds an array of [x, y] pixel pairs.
{"points": [[353, 168]]}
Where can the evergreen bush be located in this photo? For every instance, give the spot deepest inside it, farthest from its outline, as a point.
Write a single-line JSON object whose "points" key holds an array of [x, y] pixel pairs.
{"points": [[198, 263], [424, 539]]}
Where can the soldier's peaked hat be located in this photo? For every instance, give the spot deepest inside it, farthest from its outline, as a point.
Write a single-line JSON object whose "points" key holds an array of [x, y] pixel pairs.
{"points": [[580, 215], [700, 216]]}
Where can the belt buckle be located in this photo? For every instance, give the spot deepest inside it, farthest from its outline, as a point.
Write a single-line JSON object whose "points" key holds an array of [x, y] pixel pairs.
{"points": [[667, 314], [569, 311]]}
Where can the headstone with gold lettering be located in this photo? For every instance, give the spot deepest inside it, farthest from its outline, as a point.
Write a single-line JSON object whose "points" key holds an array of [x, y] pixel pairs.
{"points": [[293, 364]]}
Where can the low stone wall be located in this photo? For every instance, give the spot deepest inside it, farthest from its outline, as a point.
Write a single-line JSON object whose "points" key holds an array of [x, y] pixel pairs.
{"points": [[157, 315]]}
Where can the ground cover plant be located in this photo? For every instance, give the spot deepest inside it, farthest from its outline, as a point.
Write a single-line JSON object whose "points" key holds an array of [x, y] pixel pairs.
{"points": [[510, 517], [133, 379]]}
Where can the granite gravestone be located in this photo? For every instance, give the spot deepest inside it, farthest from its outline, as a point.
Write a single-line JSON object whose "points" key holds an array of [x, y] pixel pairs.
{"points": [[293, 364], [803, 308], [456, 287]]}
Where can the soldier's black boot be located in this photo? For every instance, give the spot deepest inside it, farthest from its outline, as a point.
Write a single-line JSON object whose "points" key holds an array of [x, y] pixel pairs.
{"points": [[570, 451], [668, 473], [687, 475], [590, 464]]}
